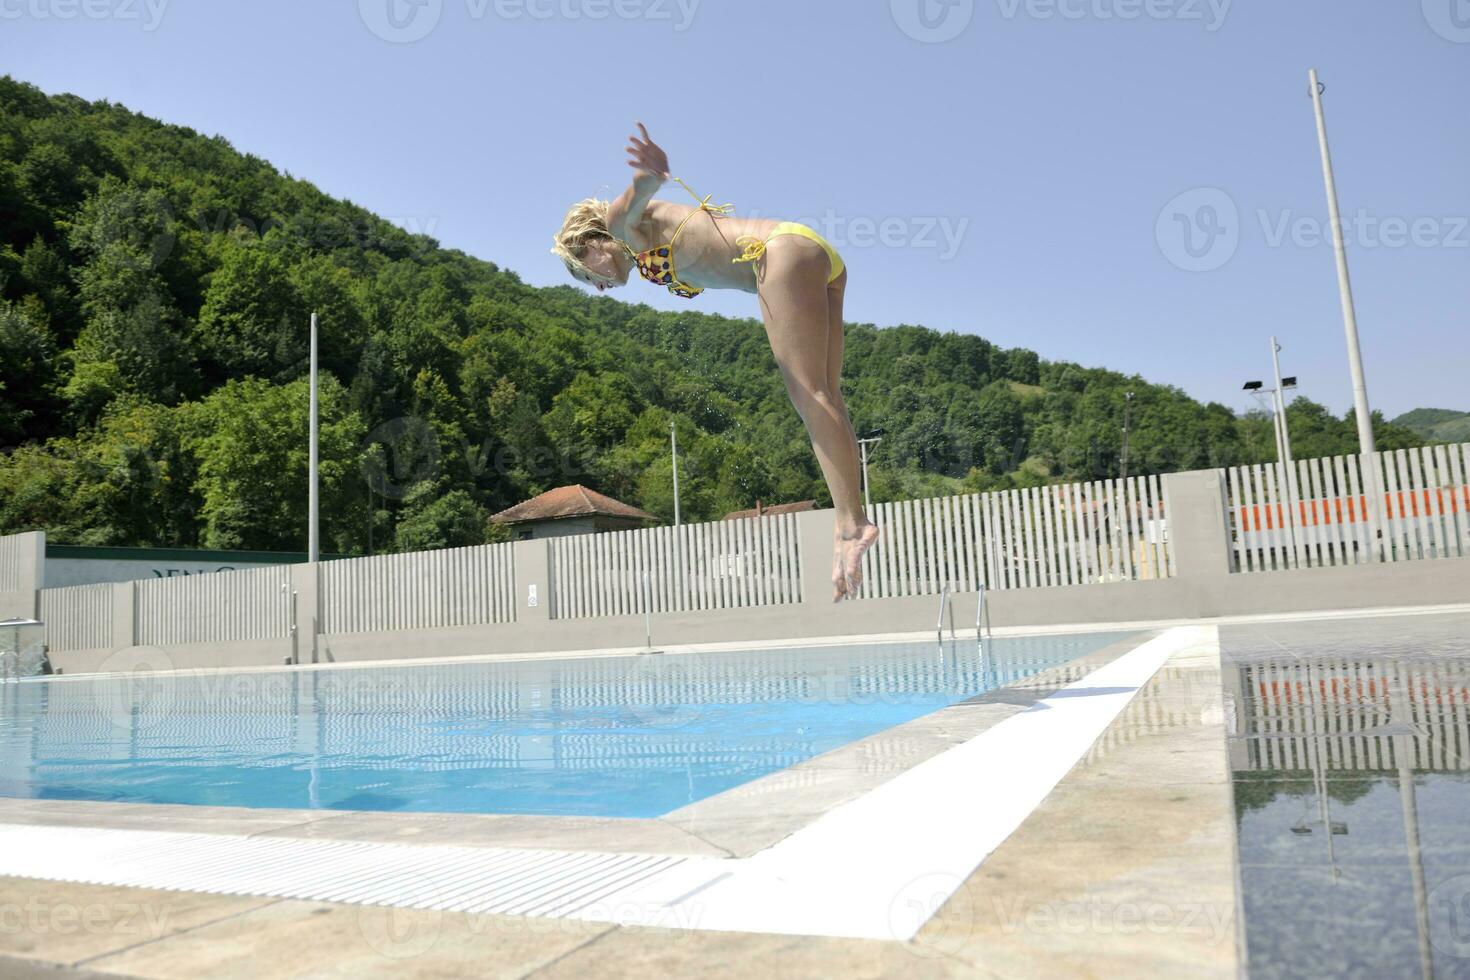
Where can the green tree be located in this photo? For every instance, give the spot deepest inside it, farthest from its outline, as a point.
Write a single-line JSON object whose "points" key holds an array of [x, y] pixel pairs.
{"points": [[251, 443], [27, 373], [435, 518], [250, 323]]}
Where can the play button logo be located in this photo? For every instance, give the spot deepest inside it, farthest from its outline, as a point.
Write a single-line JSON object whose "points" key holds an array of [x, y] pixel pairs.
{"points": [[400, 21]]}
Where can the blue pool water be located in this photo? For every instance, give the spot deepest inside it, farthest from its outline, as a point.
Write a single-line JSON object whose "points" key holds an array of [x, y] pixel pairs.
{"points": [[602, 736]]}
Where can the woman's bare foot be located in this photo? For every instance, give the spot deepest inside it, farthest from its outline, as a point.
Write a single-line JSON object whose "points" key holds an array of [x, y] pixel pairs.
{"points": [[839, 580], [852, 548]]}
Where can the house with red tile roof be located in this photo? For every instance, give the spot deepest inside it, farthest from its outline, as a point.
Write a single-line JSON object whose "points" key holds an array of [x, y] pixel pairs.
{"points": [[760, 510], [571, 510]]}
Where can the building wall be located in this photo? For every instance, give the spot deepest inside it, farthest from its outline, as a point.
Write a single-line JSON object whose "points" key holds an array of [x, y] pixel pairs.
{"points": [[566, 526], [62, 572]]}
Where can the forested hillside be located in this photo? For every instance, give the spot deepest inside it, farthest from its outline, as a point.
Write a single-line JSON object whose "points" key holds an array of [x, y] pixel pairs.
{"points": [[155, 286], [1437, 424]]}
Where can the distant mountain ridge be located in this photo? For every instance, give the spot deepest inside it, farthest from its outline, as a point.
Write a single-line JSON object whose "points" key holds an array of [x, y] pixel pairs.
{"points": [[1437, 424]]}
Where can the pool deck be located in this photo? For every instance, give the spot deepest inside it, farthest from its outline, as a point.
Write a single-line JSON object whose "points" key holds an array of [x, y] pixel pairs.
{"points": [[1126, 867]]}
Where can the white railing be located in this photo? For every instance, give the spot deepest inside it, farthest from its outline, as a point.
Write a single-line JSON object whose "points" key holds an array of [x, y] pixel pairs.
{"points": [[1321, 512], [1063, 534], [78, 617], [418, 589], [246, 604], [718, 565]]}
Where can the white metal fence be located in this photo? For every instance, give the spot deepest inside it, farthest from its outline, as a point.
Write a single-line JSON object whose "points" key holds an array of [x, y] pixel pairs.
{"points": [[78, 617], [413, 590], [247, 604], [1064, 534], [754, 561], [1321, 511]]}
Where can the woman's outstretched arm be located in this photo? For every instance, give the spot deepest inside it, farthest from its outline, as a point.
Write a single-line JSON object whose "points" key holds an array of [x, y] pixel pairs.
{"points": [[652, 166]]}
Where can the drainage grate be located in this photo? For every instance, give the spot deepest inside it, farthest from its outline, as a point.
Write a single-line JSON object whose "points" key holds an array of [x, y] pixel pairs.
{"points": [[467, 879]]}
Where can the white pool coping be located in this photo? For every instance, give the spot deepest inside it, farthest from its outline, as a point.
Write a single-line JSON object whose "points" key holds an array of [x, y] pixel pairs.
{"points": [[877, 867]]}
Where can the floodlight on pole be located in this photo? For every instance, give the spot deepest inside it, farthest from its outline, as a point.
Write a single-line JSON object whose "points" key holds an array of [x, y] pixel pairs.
{"points": [[1259, 390]]}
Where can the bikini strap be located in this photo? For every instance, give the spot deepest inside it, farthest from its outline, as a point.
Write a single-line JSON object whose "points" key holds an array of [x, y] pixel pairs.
{"points": [[754, 249], [704, 204], [718, 210]]}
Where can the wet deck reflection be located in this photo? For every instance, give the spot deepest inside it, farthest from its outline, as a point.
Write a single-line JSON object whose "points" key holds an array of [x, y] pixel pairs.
{"points": [[1350, 754]]}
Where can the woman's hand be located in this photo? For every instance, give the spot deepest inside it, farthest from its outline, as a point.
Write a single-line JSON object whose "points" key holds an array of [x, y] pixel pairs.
{"points": [[646, 157]]}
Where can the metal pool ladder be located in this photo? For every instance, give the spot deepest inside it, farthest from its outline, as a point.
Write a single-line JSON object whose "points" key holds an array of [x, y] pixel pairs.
{"points": [[982, 615], [945, 607]]}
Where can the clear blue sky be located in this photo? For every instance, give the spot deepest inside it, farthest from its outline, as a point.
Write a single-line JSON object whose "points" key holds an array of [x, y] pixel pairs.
{"points": [[1014, 180]]}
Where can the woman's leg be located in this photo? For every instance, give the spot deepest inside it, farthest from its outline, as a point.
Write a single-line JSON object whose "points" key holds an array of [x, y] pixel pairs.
{"points": [[795, 305], [851, 556], [852, 553]]}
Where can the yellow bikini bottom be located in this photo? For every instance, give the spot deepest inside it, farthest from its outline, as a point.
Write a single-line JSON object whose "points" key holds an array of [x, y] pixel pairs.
{"points": [[755, 247]]}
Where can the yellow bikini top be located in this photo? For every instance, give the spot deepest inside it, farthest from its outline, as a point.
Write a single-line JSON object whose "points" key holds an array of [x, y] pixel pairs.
{"points": [[657, 264]]}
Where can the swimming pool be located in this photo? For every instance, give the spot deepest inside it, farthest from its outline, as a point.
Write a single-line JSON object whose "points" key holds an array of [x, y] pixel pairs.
{"points": [[596, 736]]}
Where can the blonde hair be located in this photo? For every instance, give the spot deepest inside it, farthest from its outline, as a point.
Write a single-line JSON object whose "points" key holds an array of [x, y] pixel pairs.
{"points": [[585, 223]]}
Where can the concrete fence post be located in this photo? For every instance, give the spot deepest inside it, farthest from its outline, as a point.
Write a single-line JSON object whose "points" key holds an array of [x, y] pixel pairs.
{"points": [[22, 574], [814, 530], [1199, 535], [124, 631], [533, 581], [305, 578]]}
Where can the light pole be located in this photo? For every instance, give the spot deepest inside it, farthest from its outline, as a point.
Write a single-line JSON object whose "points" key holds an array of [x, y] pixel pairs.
{"points": [[312, 537], [1127, 413], [674, 449], [1277, 411], [1344, 283], [1281, 386], [863, 448], [1284, 460]]}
